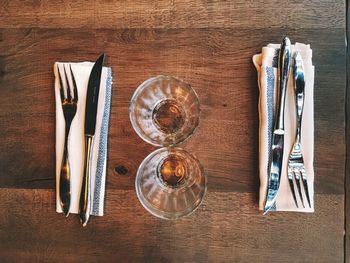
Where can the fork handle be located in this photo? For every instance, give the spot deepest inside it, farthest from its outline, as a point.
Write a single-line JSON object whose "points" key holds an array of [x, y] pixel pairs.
{"points": [[85, 195], [299, 98], [300, 105], [65, 176]]}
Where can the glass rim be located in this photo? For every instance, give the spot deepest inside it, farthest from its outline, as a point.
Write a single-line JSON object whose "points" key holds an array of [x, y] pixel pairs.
{"points": [[163, 214], [132, 117]]}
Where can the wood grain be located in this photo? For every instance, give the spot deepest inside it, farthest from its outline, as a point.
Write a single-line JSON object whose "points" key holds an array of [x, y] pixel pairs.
{"points": [[347, 175], [210, 60], [172, 14], [30, 230], [210, 44]]}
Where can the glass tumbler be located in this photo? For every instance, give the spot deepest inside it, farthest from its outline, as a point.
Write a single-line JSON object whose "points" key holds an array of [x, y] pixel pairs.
{"points": [[170, 182], [164, 111]]}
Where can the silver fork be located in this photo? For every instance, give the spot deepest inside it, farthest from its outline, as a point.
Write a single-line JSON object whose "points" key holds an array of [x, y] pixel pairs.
{"points": [[69, 100], [296, 168]]}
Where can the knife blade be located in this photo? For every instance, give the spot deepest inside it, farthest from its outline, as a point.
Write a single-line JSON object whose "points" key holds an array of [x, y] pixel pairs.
{"points": [[277, 145], [89, 132]]}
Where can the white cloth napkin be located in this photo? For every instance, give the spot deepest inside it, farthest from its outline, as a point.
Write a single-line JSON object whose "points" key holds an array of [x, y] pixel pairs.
{"points": [[266, 65], [81, 73]]}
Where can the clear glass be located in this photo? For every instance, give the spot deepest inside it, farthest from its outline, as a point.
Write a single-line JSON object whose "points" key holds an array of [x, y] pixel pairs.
{"points": [[164, 111], [170, 183]]}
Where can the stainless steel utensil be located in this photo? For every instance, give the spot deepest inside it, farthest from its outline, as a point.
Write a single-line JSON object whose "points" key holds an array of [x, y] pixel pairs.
{"points": [[296, 167], [276, 152], [69, 100], [90, 125]]}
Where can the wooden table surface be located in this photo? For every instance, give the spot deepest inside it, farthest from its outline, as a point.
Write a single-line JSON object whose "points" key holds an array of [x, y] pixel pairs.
{"points": [[210, 44]]}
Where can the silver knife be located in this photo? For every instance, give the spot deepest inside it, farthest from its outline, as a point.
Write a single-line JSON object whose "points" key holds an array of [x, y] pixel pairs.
{"points": [[90, 125], [276, 151]]}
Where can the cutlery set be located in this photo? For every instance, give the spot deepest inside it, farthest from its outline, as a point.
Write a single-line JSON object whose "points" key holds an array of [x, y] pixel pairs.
{"points": [[69, 100], [295, 166], [296, 172]]}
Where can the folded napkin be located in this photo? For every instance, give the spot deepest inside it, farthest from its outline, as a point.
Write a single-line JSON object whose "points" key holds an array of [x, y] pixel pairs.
{"points": [[266, 65], [81, 73]]}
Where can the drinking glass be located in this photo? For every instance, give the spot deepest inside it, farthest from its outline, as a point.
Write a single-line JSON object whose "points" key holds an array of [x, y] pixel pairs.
{"points": [[164, 111], [170, 182]]}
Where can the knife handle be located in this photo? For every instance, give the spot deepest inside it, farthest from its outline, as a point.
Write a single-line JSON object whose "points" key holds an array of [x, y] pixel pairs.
{"points": [[85, 194], [64, 189], [284, 62]]}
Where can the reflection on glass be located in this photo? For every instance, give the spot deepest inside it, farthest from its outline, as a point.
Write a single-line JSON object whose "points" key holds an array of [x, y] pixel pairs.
{"points": [[164, 111], [170, 182]]}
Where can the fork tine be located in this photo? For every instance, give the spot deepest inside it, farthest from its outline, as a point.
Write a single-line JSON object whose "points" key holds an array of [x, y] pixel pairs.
{"points": [[297, 180], [306, 188], [69, 91], [291, 184], [63, 96], [75, 91]]}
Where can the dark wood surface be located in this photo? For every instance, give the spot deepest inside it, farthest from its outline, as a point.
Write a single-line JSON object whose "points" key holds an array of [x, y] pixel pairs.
{"points": [[209, 44], [227, 228], [347, 181]]}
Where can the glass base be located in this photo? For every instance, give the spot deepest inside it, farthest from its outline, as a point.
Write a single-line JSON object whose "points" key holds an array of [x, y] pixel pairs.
{"points": [[170, 183], [164, 111]]}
